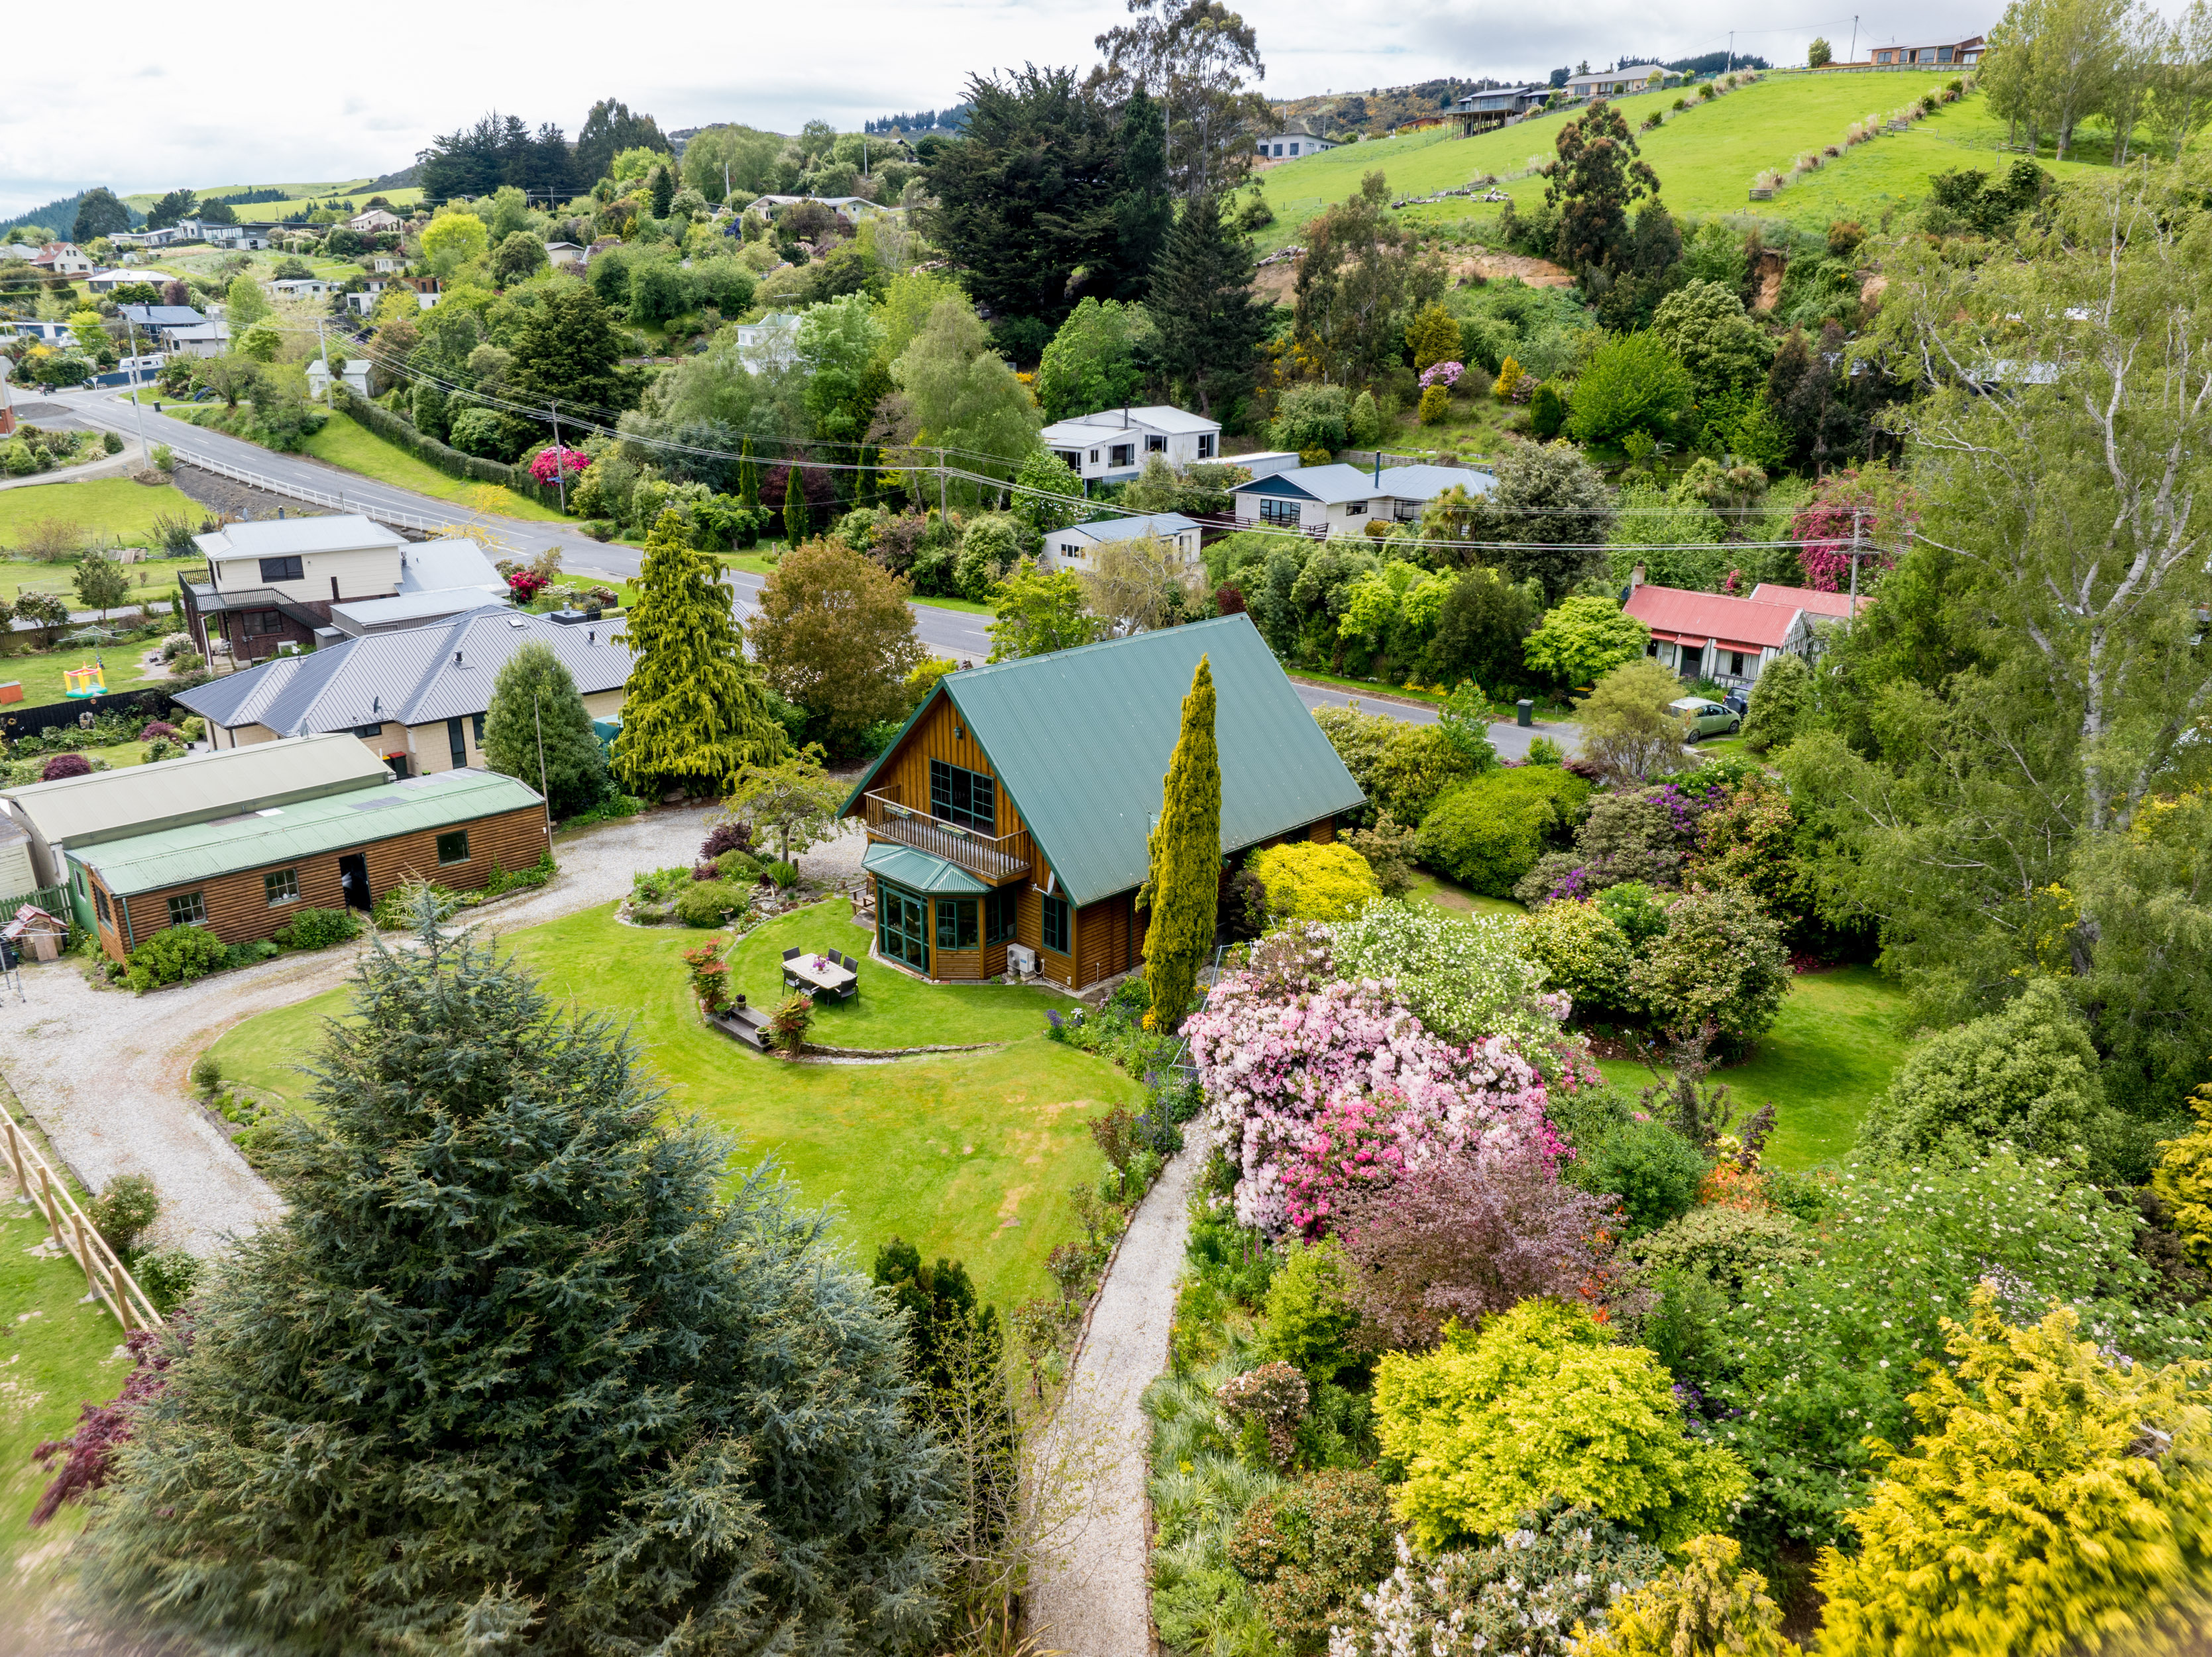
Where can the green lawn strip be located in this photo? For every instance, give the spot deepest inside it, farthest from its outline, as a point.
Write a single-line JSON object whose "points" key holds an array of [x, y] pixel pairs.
{"points": [[1705, 157], [40, 671], [345, 443], [57, 1353], [968, 1155], [114, 507], [1449, 894], [1833, 1048], [891, 1010]]}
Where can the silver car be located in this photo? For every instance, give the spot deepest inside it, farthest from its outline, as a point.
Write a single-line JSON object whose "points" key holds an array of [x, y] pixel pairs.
{"points": [[1702, 718]]}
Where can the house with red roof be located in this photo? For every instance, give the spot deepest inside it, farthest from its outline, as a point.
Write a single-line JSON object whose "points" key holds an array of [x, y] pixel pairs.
{"points": [[1710, 636], [1812, 599]]}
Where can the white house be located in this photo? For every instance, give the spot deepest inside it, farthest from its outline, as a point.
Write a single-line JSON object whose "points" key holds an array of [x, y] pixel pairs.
{"points": [[1112, 444], [46, 333], [770, 343], [1077, 547], [208, 339], [851, 209], [375, 222], [63, 259], [1342, 499], [1617, 82], [387, 265], [107, 282], [1292, 142], [354, 371], [303, 287], [564, 252]]}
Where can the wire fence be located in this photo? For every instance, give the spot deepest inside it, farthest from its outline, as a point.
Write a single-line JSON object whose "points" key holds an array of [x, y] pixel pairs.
{"points": [[72, 1231]]}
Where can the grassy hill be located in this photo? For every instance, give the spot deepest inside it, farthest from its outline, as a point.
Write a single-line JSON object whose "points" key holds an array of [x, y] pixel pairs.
{"points": [[299, 198], [1705, 157]]}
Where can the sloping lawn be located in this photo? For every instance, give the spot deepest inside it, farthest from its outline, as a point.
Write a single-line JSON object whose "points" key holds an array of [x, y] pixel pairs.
{"points": [[56, 1354], [1432, 888], [968, 1155], [1832, 1050], [99, 506], [346, 442]]}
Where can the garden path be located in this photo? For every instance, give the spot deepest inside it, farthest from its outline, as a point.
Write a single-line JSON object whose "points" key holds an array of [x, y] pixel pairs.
{"points": [[103, 1071], [1093, 1595]]}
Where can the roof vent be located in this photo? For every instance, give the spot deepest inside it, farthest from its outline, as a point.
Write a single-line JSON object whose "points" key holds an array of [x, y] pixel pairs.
{"points": [[514, 621], [458, 662]]}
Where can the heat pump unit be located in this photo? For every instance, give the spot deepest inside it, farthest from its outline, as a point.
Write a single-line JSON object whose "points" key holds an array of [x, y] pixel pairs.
{"points": [[1021, 960]]}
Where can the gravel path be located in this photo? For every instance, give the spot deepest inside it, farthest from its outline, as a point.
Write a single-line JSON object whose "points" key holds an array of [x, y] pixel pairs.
{"points": [[103, 1070], [1092, 1597]]}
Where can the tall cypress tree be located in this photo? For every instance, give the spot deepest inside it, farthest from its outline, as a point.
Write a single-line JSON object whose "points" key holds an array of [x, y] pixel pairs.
{"points": [[1186, 858], [796, 517], [696, 713], [748, 478], [510, 1373], [1211, 322]]}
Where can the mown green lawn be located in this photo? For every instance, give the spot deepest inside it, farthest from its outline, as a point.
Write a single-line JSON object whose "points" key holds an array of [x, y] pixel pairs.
{"points": [[1705, 157], [1434, 888], [969, 1154], [117, 508], [40, 671], [1832, 1050], [57, 1353], [346, 442]]}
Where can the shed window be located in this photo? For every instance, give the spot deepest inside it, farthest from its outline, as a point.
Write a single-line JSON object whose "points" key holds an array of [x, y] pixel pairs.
{"points": [[1206, 446], [372, 731], [1273, 511], [1055, 924], [999, 917], [477, 722], [188, 909], [453, 847], [281, 570], [1735, 662], [967, 798], [281, 886], [99, 903], [1355, 508]]}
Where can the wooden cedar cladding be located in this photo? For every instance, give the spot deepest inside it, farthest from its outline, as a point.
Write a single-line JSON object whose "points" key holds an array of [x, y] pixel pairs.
{"points": [[239, 910], [940, 734]]}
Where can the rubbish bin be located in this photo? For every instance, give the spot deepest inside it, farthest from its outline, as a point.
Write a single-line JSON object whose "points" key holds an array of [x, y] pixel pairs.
{"points": [[1526, 711]]}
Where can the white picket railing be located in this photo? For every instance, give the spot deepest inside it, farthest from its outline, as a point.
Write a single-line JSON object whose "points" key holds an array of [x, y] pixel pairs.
{"points": [[296, 491], [72, 1230]]}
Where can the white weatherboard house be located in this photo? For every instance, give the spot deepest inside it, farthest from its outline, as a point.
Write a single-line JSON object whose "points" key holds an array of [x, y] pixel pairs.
{"points": [[1077, 547], [1293, 141], [1616, 82], [1327, 500], [1111, 446]]}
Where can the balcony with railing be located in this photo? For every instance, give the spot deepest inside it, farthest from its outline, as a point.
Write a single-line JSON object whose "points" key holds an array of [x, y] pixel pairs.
{"points": [[992, 858]]}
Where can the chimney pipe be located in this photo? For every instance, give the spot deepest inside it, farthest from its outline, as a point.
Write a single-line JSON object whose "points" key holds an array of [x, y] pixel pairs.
{"points": [[1635, 578]]}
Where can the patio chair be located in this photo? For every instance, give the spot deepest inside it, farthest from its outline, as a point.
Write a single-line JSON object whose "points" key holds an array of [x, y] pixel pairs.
{"points": [[790, 977]]}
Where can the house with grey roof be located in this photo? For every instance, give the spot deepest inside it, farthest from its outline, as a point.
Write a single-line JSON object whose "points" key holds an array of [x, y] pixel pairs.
{"points": [[1110, 445], [269, 585], [1009, 823], [1077, 547], [1338, 499], [416, 697]]}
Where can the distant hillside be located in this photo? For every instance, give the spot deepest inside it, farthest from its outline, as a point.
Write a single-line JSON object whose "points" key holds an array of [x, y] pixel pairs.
{"points": [[1705, 155], [60, 216], [1379, 109]]}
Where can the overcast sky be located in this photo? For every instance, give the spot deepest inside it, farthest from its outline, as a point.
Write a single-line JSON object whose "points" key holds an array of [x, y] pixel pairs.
{"points": [[256, 93]]}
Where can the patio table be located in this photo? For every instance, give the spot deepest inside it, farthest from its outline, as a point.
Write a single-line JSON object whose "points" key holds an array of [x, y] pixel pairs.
{"points": [[820, 973]]}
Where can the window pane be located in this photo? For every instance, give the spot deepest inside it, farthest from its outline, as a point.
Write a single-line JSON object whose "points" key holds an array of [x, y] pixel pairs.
{"points": [[956, 924], [281, 886], [453, 847], [1055, 924], [187, 909]]}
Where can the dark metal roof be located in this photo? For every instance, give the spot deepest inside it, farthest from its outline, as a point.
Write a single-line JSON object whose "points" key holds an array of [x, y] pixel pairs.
{"points": [[1080, 739]]}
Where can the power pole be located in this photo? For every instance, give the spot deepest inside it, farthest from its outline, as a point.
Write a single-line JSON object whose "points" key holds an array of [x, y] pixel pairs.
{"points": [[537, 722], [1731, 66], [1854, 616], [1854, 55], [145, 454], [560, 471]]}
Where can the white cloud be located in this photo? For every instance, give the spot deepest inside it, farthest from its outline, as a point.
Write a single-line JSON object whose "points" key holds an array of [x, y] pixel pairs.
{"points": [[281, 94]]}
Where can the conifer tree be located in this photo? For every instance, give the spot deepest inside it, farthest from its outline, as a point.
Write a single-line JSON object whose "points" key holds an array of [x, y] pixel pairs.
{"points": [[1211, 323], [510, 1373], [538, 729], [697, 713], [796, 518], [1186, 859], [748, 478]]}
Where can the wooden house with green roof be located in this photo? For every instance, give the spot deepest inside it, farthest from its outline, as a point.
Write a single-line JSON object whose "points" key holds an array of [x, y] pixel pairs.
{"points": [[1011, 815]]}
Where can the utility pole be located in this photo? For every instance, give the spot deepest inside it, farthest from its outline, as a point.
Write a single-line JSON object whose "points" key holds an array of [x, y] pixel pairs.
{"points": [[538, 721], [940, 485], [1731, 68], [145, 454], [560, 471], [1854, 55], [1854, 616]]}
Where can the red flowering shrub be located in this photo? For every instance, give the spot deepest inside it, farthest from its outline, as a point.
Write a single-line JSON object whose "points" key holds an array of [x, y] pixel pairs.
{"points": [[158, 731], [1357, 1142], [523, 585], [64, 765], [547, 462], [1823, 528]]}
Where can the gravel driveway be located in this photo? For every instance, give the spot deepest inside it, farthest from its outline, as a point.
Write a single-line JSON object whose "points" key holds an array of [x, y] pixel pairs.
{"points": [[103, 1070], [1093, 1598]]}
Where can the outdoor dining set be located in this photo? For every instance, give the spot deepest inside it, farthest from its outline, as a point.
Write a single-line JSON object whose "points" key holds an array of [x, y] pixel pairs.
{"points": [[836, 976]]}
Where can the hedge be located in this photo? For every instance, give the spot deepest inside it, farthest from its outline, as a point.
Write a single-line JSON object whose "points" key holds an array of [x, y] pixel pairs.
{"points": [[428, 450]]}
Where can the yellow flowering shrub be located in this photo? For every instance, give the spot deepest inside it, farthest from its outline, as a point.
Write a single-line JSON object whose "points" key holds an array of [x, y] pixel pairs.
{"points": [[1307, 881]]}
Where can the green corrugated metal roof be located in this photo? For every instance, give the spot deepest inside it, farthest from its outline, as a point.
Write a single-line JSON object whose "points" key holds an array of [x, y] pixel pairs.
{"points": [[228, 845], [917, 871], [1081, 740]]}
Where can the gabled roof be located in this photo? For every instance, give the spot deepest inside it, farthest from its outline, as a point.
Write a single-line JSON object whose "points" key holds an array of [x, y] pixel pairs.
{"points": [[230, 845], [1080, 740], [1330, 485], [439, 565], [1679, 616], [1163, 418], [163, 316], [414, 676], [1810, 599], [271, 538], [1425, 483], [1162, 524], [139, 799]]}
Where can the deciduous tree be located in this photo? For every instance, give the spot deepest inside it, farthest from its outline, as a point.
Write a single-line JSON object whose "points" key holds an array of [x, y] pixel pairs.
{"points": [[835, 634], [1033, 612], [1361, 275]]}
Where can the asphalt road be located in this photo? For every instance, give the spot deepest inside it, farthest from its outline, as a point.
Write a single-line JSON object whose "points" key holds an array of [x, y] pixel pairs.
{"points": [[954, 633]]}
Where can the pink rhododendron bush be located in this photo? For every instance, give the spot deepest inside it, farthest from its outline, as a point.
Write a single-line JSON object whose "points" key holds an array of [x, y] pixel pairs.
{"points": [[1318, 1086], [550, 463]]}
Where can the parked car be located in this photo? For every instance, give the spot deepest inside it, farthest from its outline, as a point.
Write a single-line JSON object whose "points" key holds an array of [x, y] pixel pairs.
{"points": [[1701, 717]]}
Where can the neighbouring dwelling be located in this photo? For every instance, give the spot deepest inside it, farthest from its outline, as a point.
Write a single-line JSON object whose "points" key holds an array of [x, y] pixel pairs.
{"points": [[1943, 54], [1338, 498], [271, 585], [1710, 636], [851, 209], [1839, 606], [244, 876], [1618, 83], [353, 373], [1077, 547], [1110, 445], [1008, 824], [62, 258], [78, 812], [18, 872], [394, 615], [416, 698], [1295, 139], [1478, 112], [376, 222], [558, 253]]}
